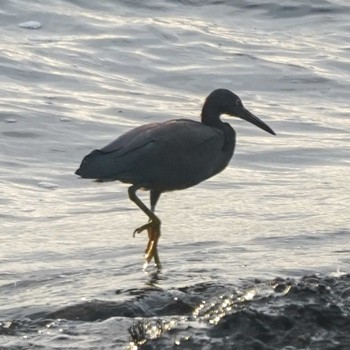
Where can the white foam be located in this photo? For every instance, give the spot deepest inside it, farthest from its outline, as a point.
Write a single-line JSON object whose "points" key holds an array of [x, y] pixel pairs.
{"points": [[48, 185], [30, 25], [65, 119], [10, 120]]}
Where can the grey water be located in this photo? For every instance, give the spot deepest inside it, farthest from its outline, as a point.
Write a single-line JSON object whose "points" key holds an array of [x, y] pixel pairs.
{"points": [[255, 253]]}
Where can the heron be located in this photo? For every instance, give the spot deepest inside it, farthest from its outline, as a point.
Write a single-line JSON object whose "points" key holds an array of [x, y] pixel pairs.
{"points": [[172, 155]]}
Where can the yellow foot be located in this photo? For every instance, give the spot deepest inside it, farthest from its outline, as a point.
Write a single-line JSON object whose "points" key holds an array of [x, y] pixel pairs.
{"points": [[149, 226], [151, 252], [151, 249]]}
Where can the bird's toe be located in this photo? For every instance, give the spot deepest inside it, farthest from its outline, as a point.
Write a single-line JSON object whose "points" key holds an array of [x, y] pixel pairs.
{"points": [[152, 225]]}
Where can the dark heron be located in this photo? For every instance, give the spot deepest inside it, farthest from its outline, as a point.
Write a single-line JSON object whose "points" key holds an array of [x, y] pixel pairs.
{"points": [[169, 156]]}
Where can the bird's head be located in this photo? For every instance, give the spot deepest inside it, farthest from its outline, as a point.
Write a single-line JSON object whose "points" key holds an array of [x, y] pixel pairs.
{"points": [[222, 101]]}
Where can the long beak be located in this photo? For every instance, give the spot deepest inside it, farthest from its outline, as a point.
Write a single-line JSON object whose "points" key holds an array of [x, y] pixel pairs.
{"points": [[250, 117]]}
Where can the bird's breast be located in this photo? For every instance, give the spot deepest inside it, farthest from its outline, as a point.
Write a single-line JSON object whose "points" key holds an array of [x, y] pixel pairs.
{"points": [[190, 154]]}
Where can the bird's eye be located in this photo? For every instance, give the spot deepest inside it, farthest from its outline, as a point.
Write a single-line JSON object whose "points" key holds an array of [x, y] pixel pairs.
{"points": [[239, 103]]}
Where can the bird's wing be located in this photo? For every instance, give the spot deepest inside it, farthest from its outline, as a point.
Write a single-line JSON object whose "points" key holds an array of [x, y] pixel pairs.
{"points": [[133, 139], [186, 153], [167, 156], [173, 154], [174, 135]]}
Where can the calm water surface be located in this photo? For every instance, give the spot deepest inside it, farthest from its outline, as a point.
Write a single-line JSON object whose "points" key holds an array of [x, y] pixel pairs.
{"points": [[268, 236]]}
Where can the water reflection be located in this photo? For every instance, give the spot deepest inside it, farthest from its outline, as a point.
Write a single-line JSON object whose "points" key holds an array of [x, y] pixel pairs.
{"points": [[154, 277]]}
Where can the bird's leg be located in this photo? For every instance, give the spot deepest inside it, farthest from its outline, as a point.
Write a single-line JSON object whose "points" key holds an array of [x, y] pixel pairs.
{"points": [[151, 249], [154, 236], [154, 196], [153, 226]]}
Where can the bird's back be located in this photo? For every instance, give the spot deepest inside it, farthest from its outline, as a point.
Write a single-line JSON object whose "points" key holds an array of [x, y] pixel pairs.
{"points": [[165, 156]]}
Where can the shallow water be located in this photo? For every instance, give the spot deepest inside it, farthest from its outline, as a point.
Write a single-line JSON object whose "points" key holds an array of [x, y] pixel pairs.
{"points": [[71, 275]]}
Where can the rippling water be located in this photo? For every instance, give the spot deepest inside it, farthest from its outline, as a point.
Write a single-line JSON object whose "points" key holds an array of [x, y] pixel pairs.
{"points": [[255, 258]]}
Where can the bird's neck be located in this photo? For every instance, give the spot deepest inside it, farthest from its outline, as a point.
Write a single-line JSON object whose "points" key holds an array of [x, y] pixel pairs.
{"points": [[211, 117]]}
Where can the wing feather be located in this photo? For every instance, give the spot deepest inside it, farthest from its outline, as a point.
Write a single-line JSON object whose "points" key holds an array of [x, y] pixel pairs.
{"points": [[171, 155]]}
